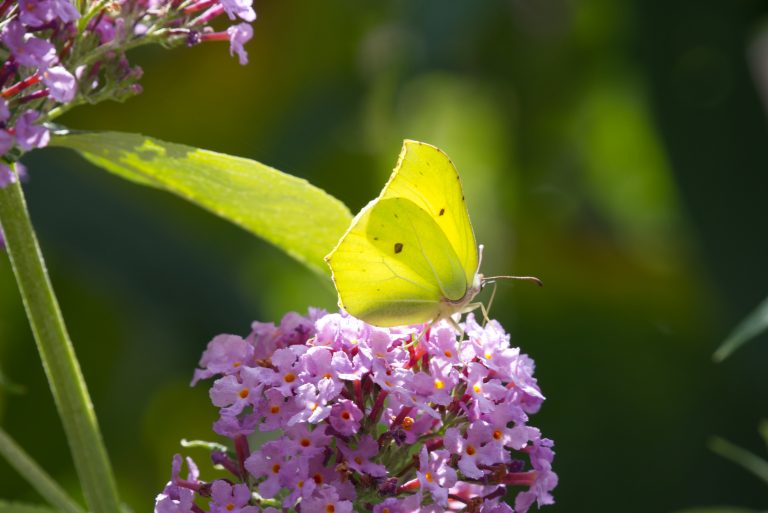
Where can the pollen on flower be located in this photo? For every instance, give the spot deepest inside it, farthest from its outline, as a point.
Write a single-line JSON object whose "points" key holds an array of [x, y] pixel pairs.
{"points": [[389, 414], [230, 506]]}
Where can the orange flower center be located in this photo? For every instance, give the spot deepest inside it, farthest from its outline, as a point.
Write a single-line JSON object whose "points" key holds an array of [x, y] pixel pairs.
{"points": [[471, 450], [407, 423], [497, 435], [305, 442], [275, 468], [345, 415], [244, 393], [274, 409], [289, 377]]}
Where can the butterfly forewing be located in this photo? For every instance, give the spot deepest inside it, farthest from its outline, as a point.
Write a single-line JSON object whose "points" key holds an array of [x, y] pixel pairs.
{"points": [[412, 248], [426, 176]]}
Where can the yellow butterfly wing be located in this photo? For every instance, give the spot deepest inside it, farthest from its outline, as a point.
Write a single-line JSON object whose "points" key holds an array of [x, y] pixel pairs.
{"points": [[405, 253], [426, 176]]}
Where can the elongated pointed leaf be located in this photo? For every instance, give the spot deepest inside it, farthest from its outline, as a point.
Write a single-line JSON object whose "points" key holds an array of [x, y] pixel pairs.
{"points": [[303, 220], [18, 507], [764, 430], [755, 324], [755, 464]]}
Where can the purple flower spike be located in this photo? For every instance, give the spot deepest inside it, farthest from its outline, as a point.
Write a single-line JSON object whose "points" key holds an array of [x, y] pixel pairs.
{"points": [[7, 176], [178, 495], [238, 36], [231, 499], [326, 501], [225, 354], [30, 135], [355, 404], [61, 83], [4, 113], [39, 12], [6, 143], [435, 475], [345, 417], [360, 458], [27, 49], [239, 8]]}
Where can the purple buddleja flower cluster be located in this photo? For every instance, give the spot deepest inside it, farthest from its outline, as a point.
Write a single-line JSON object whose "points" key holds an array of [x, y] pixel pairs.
{"points": [[398, 420], [54, 56]]}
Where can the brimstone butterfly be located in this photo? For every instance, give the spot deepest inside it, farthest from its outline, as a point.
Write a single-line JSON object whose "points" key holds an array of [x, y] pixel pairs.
{"points": [[410, 255]]}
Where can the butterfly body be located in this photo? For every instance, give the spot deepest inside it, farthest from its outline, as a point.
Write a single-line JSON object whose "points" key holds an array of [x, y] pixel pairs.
{"points": [[410, 255]]}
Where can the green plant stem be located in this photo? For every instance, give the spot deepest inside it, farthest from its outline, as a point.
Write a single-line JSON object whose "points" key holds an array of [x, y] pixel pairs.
{"points": [[36, 476], [57, 354]]}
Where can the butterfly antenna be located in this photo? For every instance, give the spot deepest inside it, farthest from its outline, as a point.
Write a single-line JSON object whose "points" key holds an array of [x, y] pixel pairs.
{"points": [[492, 279]]}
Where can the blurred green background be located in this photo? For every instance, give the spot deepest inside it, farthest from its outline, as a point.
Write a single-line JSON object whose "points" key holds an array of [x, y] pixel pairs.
{"points": [[617, 150]]}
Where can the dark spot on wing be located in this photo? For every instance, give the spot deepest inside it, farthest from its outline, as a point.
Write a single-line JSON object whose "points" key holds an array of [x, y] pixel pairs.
{"points": [[375, 238], [396, 217], [442, 211], [398, 247]]}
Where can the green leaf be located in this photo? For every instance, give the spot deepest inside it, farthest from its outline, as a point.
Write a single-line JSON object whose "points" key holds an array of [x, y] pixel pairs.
{"points": [[749, 328], [763, 429], [17, 507], [736, 454], [303, 220]]}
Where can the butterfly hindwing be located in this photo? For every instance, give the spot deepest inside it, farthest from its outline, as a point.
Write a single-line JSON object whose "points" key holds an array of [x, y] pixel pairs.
{"points": [[375, 276]]}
